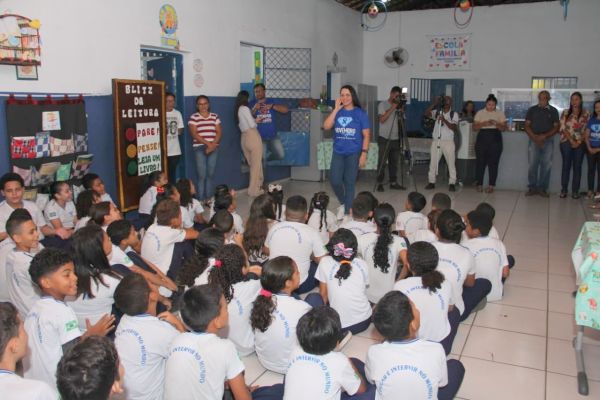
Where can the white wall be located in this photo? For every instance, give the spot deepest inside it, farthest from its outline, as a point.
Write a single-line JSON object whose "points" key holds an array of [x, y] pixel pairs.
{"points": [[510, 44], [85, 43]]}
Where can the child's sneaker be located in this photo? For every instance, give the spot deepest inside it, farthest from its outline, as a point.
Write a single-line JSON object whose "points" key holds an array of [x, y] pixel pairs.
{"points": [[340, 212]]}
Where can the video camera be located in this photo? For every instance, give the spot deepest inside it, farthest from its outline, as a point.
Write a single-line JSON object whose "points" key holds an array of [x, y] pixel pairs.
{"points": [[400, 100]]}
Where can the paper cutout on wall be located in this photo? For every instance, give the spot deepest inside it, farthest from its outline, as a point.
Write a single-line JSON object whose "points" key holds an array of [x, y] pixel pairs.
{"points": [[51, 121], [81, 166]]}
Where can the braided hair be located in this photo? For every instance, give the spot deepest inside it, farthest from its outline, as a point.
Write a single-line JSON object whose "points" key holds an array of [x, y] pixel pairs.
{"points": [[342, 248], [384, 217], [276, 193], [320, 201], [229, 264]]}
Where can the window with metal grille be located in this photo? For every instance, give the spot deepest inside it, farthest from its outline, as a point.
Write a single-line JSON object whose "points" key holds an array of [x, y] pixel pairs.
{"points": [[556, 82], [287, 72]]}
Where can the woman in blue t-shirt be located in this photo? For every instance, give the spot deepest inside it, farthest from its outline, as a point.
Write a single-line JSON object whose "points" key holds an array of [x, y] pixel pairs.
{"points": [[351, 136], [592, 139]]}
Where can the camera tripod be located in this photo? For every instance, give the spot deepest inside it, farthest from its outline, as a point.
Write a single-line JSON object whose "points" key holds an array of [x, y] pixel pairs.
{"points": [[405, 153]]}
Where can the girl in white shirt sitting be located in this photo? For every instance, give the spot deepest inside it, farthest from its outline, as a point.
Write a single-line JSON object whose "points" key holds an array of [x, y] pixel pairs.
{"points": [[96, 281], [430, 291], [195, 270], [192, 209], [84, 203], [320, 218], [275, 314], [231, 273], [343, 281], [275, 191], [154, 183], [383, 253], [60, 210], [260, 220]]}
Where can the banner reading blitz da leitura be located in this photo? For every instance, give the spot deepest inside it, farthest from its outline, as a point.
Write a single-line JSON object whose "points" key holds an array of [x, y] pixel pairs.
{"points": [[148, 144], [449, 52]]}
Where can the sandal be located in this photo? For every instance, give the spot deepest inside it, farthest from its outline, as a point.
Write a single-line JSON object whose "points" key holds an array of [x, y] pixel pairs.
{"points": [[490, 189], [563, 195], [589, 194], [575, 196]]}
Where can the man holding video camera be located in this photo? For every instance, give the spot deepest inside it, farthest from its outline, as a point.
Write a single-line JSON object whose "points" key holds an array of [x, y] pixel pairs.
{"points": [[446, 121], [388, 136]]}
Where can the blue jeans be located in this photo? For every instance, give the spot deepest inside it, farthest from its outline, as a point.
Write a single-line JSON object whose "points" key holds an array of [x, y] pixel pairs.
{"points": [[342, 175], [540, 164], [273, 149], [571, 158], [205, 165]]}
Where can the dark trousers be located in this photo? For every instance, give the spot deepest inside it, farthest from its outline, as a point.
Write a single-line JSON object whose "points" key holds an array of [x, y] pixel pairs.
{"points": [[593, 169], [488, 148], [172, 163], [314, 300], [56, 242], [392, 158], [474, 294], [456, 373], [310, 283], [454, 319], [182, 251], [571, 159]]}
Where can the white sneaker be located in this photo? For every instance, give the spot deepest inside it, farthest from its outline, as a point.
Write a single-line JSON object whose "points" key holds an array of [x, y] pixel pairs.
{"points": [[340, 212], [344, 341]]}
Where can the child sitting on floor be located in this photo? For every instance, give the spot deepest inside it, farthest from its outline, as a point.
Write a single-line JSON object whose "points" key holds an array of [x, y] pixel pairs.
{"points": [[410, 221]]}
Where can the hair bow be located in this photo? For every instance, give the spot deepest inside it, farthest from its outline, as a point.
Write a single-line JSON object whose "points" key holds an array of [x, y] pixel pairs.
{"points": [[275, 187], [160, 190], [265, 293], [218, 264], [340, 250]]}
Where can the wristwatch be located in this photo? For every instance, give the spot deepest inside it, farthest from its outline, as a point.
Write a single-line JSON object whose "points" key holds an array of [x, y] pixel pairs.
{"points": [[365, 151]]}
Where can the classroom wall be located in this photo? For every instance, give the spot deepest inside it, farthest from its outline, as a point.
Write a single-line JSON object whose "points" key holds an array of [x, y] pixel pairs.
{"points": [[86, 43], [510, 44]]}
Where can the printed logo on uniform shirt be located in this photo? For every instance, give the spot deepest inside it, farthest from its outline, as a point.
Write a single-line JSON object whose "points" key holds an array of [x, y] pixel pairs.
{"points": [[488, 250], [69, 326], [455, 266], [322, 366], [138, 338], [52, 215], [344, 121], [437, 293], [197, 357], [286, 325], [404, 369], [279, 228], [595, 128]]}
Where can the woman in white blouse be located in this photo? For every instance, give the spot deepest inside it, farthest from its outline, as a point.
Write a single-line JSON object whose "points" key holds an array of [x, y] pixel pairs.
{"points": [[251, 143]]}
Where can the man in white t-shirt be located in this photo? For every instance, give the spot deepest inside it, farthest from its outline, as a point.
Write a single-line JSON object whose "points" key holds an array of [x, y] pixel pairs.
{"points": [[174, 129], [446, 121], [295, 239]]}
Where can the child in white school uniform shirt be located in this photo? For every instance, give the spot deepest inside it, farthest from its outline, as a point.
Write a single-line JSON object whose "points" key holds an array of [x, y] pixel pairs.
{"points": [[6, 247], [97, 280], [60, 210], [320, 218], [428, 235], [51, 324], [156, 180], [143, 339], [382, 252], [14, 345], [428, 290], [91, 181], [231, 271], [158, 244], [317, 371], [491, 262], [275, 314], [343, 281], [361, 212], [456, 261], [22, 292], [410, 221], [404, 365], [199, 362], [295, 239], [192, 212]]}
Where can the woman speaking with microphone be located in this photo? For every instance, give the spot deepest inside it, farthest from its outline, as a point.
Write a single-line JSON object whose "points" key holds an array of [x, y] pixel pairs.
{"points": [[351, 137]]}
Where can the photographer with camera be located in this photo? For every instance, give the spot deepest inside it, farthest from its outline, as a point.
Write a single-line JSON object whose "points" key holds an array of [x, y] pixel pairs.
{"points": [[446, 121], [388, 136]]}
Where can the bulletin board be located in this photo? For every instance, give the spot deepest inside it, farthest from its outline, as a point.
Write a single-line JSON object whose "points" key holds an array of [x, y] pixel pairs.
{"points": [[140, 136], [47, 141]]}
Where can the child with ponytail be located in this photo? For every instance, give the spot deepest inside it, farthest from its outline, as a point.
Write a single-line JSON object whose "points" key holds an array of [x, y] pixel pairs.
{"points": [[320, 218], [430, 292], [196, 269], [343, 281], [275, 314], [383, 252], [231, 274], [458, 264]]}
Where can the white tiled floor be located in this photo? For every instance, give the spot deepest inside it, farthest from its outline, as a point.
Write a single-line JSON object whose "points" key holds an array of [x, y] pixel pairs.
{"points": [[520, 347]]}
